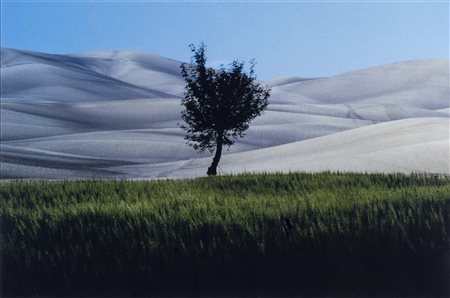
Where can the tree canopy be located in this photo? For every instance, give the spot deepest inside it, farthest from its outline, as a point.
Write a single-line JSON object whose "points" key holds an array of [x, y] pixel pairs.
{"points": [[219, 104]]}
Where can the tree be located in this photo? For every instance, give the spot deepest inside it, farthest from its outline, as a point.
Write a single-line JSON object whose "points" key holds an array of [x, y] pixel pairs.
{"points": [[219, 103]]}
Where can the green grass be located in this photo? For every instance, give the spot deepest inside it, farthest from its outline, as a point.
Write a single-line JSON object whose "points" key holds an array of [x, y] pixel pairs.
{"points": [[270, 234]]}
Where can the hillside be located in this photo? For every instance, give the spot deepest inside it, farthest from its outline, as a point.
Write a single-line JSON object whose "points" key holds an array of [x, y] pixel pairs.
{"points": [[116, 114]]}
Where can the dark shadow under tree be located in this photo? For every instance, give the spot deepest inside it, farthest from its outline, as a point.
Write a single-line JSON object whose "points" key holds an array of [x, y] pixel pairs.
{"points": [[219, 103]]}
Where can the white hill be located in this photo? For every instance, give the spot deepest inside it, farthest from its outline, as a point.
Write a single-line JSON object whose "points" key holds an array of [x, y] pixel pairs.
{"points": [[115, 114]]}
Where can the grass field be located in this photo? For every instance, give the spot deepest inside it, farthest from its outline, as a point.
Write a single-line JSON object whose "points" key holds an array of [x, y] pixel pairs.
{"points": [[249, 235]]}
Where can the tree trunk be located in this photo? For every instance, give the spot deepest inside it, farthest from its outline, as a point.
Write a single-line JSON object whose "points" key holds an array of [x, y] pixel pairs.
{"points": [[212, 170]]}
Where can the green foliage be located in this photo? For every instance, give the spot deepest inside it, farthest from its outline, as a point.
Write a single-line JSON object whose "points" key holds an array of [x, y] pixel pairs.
{"points": [[270, 234], [219, 103]]}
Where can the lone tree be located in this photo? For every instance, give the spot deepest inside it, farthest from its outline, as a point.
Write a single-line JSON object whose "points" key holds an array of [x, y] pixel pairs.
{"points": [[219, 103]]}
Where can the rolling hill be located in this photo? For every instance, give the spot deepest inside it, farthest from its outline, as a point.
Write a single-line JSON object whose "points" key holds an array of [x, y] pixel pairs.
{"points": [[116, 115]]}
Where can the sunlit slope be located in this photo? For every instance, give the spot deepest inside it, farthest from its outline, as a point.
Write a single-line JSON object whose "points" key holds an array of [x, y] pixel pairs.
{"points": [[410, 145], [421, 84], [79, 115]]}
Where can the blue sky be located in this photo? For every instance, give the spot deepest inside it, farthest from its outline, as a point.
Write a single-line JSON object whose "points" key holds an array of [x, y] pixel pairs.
{"points": [[307, 39]]}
